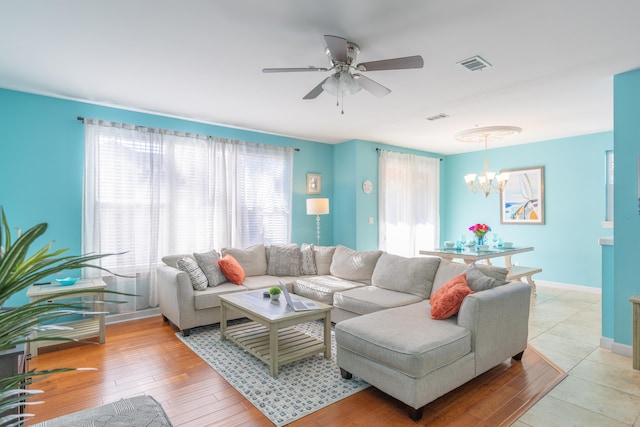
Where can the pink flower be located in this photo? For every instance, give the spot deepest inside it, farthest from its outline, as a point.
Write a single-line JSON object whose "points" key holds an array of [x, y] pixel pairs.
{"points": [[480, 229]]}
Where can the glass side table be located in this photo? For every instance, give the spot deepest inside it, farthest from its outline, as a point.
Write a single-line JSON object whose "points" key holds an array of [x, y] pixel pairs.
{"points": [[90, 326]]}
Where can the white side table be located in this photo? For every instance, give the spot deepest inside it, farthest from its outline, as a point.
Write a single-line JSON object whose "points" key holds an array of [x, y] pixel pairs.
{"points": [[88, 327]]}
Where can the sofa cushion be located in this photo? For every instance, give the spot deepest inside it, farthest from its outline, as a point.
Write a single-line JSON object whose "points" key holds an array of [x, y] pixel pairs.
{"points": [[266, 282], [410, 275], [209, 297], [324, 256], [322, 288], [369, 299], [353, 265], [252, 259], [232, 269], [198, 279], [283, 260], [208, 262], [307, 259], [446, 301], [172, 260], [422, 347]]}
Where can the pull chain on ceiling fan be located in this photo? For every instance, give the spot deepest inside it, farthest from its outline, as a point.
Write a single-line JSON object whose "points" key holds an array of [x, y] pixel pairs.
{"points": [[342, 56]]}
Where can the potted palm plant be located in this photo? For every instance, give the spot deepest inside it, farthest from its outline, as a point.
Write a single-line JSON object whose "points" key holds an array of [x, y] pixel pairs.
{"points": [[20, 267]]}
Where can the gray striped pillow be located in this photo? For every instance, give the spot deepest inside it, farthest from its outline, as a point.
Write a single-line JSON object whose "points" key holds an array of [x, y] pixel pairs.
{"points": [[198, 279]]}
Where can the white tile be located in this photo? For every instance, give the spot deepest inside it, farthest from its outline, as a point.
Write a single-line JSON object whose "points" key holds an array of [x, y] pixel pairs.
{"points": [[623, 379], [607, 357], [553, 412], [563, 344], [604, 400], [578, 333]]}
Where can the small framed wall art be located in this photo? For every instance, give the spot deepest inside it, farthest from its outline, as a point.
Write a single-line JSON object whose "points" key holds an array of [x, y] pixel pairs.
{"points": [[522, 201], [314, 183]]}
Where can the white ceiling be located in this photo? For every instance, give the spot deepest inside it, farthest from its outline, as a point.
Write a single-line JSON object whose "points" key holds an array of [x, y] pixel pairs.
{"points": [[553, 63]]}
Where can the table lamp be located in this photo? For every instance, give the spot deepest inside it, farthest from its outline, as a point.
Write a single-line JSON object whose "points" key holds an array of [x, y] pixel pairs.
{"points": [[317, 207]]}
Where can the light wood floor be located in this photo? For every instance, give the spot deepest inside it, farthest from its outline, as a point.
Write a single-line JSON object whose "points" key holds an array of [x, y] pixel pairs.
{"points": [[145, 357]]}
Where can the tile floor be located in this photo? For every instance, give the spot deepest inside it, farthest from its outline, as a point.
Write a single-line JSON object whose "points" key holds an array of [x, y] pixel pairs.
{"points": [[602, 388]]}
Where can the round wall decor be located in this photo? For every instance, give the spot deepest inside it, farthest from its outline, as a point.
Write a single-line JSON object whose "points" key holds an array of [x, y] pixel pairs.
{"points": [[367, 186]]}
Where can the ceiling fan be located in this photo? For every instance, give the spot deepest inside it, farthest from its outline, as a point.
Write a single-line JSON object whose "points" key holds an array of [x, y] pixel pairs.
{"points": [[342, 56]]}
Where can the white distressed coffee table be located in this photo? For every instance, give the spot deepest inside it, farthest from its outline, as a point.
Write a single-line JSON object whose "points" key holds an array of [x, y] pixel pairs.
{"points": [[270, 336]]}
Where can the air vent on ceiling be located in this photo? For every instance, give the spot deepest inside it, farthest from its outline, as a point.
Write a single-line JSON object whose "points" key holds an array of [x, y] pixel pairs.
{"points": [[474, 63], [437, 117]]}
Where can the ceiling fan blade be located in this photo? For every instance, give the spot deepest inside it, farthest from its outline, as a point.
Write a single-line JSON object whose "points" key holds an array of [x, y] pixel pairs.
{"points": [[392, 64], [369, 85], [338, 48], [292, 70], [315, 91]]}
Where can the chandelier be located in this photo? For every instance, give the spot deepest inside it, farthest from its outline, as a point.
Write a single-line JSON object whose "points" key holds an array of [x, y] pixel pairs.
{"points": [[486, 181]]}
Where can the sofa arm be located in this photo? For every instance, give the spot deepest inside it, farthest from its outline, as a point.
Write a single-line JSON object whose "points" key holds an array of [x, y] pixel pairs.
{"points": [[176, 296], [498, 319]]}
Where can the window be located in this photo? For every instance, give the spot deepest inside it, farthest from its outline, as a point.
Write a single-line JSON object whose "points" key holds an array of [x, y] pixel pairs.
{"points": [[151, 193], [609, 186], [409, 210]]}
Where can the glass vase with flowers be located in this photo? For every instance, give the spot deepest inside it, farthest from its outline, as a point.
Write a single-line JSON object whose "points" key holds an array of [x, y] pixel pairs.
{"points": [[480, 231]]}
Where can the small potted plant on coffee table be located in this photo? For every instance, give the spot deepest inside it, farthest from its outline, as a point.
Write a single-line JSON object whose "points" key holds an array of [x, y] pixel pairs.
{"points": [[274, 293]]}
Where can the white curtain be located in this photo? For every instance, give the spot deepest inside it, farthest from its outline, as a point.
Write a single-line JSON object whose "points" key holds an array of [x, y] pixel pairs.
{"points": [[151, 192], [409, 187]]}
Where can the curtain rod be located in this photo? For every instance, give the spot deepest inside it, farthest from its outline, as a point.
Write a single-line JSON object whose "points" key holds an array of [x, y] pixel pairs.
{"points": [[378, 149], [81, 119]]}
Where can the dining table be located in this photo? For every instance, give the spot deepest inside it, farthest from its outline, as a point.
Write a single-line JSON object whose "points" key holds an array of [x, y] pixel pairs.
{"points": [[471, 254]]}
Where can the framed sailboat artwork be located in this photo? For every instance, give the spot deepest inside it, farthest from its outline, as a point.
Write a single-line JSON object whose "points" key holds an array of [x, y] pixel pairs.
{"points": [[522, 200]]}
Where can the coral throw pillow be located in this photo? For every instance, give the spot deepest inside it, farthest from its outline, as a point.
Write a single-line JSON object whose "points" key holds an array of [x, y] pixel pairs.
{"points": [[232, 269], [446, 301]]}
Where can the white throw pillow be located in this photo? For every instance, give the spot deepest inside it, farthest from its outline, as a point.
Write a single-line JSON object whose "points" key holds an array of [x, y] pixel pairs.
{"points": [[253, 259]]}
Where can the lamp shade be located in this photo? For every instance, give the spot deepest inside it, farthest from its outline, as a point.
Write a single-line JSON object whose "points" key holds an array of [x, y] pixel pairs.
{"points": [[317, 206]]}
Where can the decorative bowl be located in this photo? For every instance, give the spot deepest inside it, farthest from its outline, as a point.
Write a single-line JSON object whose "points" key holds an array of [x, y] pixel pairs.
{"points": [[483, 247], [507, 245], [68, 281], [449, 244]]}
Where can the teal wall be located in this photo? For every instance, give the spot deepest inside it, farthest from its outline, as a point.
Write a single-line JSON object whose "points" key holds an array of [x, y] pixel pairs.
{"points": [[42, 161], [608, 293], [626, 218], [41, 169], [354, 162], [566, 246]]}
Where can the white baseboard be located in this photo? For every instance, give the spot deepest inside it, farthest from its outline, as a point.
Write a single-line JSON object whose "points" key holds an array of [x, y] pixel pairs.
{"points": [[125, 317], [622, 349], [606, 342], [569, 287]]}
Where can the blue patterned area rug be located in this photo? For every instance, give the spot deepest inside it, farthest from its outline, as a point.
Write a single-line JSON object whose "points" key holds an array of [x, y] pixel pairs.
{"points": [[301, 387]]}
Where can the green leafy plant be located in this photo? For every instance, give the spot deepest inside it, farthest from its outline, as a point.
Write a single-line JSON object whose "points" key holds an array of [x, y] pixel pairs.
{"points": [[20, 267], [275, 290]]}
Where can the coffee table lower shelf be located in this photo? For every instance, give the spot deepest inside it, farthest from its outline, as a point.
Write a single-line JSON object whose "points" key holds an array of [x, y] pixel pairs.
{"points": [[293, 344]]}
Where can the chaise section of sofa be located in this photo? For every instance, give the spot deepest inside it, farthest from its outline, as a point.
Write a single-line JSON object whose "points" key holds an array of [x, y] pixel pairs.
{"points": [[407, 354]]}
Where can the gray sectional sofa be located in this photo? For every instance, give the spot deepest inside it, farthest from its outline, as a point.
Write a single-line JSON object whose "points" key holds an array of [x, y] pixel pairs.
{"points": [[384, 330]]}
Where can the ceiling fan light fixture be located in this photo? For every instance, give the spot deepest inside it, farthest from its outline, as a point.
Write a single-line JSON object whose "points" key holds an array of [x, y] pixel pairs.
{"points": [[342, 83]]}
